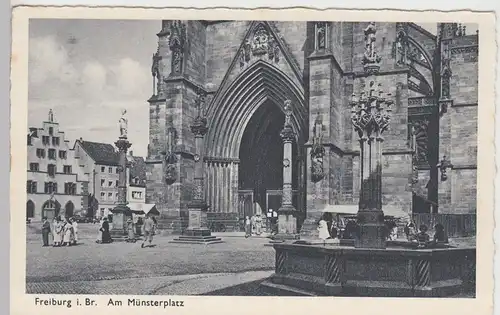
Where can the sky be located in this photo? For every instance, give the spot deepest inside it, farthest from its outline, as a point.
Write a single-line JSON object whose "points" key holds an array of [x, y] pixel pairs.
{"points": [[87, 71]]}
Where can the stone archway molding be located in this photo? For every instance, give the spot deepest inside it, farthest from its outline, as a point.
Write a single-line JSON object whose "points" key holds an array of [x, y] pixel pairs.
{"points": [[232, 110]]}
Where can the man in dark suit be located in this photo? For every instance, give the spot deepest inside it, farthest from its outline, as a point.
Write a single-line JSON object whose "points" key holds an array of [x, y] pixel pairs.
{"points": [[45, 231]]}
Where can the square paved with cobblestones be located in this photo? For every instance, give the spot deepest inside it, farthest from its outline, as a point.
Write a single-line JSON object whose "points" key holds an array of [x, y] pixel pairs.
{"points": [[89, 261]]}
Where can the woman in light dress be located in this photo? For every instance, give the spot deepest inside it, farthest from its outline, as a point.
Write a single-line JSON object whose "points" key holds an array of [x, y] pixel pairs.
{"points": [[57, 232], [68, 233], [99, 231], [323, 230], [75, 231]]}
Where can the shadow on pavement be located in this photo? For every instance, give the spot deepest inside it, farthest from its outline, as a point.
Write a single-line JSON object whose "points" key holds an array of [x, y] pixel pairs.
{"points": [[246, 289]]}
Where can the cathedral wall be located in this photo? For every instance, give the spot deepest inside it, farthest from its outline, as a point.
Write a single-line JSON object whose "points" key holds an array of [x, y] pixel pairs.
{"points": [[336, 41], [458, 130], [157, 122], [337, 108], [386, 34], [347, 46], [335, 179], [424, 39], [464, 135], [295, 35], [464, 80], [396, 179], [222, 43], [195, 59], [463, 195]]}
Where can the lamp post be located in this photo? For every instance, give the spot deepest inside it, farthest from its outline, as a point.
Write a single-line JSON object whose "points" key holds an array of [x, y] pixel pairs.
{"points": [[370, 116]]}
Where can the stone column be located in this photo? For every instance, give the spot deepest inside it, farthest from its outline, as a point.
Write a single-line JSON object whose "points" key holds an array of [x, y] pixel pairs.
{"points": [[287, 220], [197, 225], [121, 212], [371, 117]]}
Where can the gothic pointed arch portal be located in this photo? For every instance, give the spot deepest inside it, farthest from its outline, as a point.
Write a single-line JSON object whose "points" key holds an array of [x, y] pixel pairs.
{"points": [[243, 147]]}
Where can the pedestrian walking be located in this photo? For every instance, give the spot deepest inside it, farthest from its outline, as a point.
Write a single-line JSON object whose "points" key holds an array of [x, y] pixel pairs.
{"points": [[130, 230], [258, 224], [75, 231], [248, 227], [148, 229], [99, 231], [45, 231], [68, 233], [106, 236]]}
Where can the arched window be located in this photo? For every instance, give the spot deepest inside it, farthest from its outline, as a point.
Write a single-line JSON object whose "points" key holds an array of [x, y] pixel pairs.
{"points": [[30, 209], [69, 209]]}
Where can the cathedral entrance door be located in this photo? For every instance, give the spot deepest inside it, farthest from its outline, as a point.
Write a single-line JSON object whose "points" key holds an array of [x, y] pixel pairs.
{"points": [[261, 157], [245, 203]]}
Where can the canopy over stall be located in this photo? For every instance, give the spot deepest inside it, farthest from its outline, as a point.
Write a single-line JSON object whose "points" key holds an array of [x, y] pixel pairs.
{"points": [[143, 208]]}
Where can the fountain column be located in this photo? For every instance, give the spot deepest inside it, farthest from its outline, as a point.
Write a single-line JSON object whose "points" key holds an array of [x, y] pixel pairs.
{"points": [[370, 118]]}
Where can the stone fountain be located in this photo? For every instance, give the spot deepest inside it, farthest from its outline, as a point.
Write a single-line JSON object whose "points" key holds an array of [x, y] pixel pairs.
{"points": [[371, 266]]}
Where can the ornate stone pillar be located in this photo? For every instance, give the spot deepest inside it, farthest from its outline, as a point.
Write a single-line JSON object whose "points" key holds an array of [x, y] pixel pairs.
{"points": [[121, 212], [371, 117], [197, 231], [287, 220], [198, 207]]}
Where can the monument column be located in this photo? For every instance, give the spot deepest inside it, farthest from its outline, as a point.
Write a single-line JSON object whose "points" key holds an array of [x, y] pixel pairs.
{"points": [[370, 116], [197, 231], [287, 221], [121, 212]]}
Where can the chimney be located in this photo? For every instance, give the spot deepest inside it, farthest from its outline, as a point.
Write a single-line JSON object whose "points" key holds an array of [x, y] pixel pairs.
{"points": [[81, 139]]}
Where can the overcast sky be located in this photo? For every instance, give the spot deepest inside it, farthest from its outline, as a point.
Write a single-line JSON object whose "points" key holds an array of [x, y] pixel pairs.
{"points": [[88, 70]]}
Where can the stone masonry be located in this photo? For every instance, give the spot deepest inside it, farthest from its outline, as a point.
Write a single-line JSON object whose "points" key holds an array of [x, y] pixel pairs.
{"points": [[243, 65]]}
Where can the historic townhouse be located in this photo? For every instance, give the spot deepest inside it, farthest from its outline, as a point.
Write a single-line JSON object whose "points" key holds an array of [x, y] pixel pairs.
{"points": [[56, 184]]}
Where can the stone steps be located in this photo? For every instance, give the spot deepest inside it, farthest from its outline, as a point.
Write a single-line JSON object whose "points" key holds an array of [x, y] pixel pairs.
{"points": [[206, 240]]}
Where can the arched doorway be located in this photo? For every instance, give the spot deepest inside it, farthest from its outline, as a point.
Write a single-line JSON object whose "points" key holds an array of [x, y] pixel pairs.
{"points": [[248, 108], [261, 159], [30, 209], [69, 209], [51, 209]]}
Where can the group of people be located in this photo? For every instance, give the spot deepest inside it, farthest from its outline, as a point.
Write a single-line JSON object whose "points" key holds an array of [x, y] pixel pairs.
{"points": [[148, 228], [421, 237], [253, 225], [64, 232]]}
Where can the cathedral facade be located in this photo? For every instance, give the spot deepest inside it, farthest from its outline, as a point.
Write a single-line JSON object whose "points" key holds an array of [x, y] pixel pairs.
{"points": [[219, 89]]}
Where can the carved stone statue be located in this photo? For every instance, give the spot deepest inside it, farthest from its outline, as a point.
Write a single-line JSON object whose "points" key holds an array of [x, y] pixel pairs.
{"points": [[317, 151], [123, 124], [51, 115], [260, 40], [320, 35]]}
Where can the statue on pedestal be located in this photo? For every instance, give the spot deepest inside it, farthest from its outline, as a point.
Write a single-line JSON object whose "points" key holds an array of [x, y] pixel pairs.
{"points": [[123, 124]]}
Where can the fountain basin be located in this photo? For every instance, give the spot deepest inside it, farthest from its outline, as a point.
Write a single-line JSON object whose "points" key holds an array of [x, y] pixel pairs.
{"points": [[336, 270]]}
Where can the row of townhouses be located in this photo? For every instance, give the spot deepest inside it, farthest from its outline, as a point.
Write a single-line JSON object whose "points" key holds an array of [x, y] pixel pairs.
{"points": [[81, 178]]}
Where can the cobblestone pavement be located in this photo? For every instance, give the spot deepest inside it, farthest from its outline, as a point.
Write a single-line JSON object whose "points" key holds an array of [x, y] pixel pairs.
{"points": [[126, 268], [201, 284]]}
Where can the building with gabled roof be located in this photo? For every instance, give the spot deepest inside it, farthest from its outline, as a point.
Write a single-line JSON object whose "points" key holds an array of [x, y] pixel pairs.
{"points": [[56, 184], [100, 161]]}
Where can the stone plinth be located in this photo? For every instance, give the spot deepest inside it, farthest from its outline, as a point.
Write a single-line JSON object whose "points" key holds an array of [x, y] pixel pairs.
{"points": [[331, 270], [119, 225], [197, 231]]}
